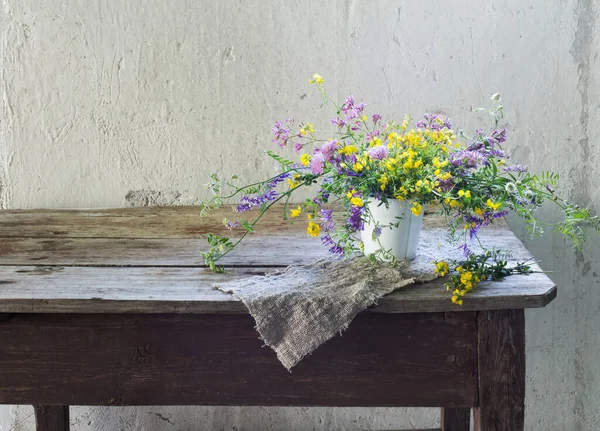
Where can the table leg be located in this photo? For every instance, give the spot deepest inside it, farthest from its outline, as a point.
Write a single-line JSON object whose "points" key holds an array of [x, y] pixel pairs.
{"points": [[52, 418], [501, 352], [456, 419]]}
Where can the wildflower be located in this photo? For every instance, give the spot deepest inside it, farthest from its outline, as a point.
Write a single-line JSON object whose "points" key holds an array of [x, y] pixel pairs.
{"points": [[510, 188], [383, 182], [379, 152], [295, 212], [376, 118], [349, 149], [356, 201], [313, 229], [309, 127], [305, 159], [317, 164], [316, 79], [357, 167], [493, 206], [328, 149], [465, 194], [416, 209], [442, 268], [478, 211]]}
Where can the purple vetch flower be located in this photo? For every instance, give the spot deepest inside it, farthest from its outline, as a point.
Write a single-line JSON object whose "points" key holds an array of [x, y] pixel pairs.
{"points": [[434, 122], [317, 163], [281, 132], [376, 118], [465, 249], [337, 121], [231, 224], [336, 249], [328, 149], [355, 221], [468, 159], [298, 147], [269, 194], [498, 136], [515, 168], [379, 152], [377, 231], [348, 104]]}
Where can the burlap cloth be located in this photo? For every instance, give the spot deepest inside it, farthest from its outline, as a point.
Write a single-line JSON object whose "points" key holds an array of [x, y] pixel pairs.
{"points": [[298, 309]]}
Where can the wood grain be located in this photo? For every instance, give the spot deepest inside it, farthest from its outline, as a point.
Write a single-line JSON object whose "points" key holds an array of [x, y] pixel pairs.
{"points": [[501, 339], [381, 360], [51, 418], [148, 222], [455, 419], [54, 289]]}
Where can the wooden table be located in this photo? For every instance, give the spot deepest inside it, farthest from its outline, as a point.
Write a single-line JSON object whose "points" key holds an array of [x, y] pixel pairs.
{"points": [[114, 308]]}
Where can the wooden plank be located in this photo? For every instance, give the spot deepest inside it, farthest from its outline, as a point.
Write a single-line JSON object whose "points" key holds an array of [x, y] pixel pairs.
{"points": [[455, 419], [51, 418], [501, 370], [280, 250], [55, 289], [111, 359], [155, 222]]}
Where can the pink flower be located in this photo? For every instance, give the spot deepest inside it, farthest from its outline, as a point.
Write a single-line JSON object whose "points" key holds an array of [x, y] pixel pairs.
{"points": [[317, 163], [378, 153], [328, 149]]}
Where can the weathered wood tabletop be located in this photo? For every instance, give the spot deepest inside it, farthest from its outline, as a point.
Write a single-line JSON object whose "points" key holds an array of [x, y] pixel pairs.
{"points": [[114, 307]]}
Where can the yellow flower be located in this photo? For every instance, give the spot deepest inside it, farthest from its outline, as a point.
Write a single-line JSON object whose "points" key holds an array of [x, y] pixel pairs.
{"points": [[313, 229], [459, 268], [364, 118], [502, 162], [295, 212], [441, 268], [383, 182], [478, 211], [316, 79], [309, 216], [293, 184], [456, 300], [305, 159], [418, 164], [461, 193], [356, 201], [416, 209], [351, 193], [357, 167], [492, 205], [302, 132], [349, 149], [310, 128]]}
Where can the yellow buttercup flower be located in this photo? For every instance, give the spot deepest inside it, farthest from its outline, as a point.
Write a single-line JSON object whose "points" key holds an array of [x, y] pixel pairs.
{"points": [[305, 159], [356, 201], [492, 205], [316, 79], [349, 149], [416, 209], [442, 268], [313, 229], [295, 212]]}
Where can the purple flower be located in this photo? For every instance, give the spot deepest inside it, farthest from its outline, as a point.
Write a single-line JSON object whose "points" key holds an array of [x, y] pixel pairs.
{"points": [[434, 122], [468, 159], [337, 121], [376, 118], [232, 224], [379, 152], [269, 194], [328, 149], [348, 104], [355, 221], [281, 132], [515, 168], [317, 163], [298, 147]]}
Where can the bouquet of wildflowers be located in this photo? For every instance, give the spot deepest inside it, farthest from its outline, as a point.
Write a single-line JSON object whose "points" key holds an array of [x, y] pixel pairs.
{"points": [[365, 158]]}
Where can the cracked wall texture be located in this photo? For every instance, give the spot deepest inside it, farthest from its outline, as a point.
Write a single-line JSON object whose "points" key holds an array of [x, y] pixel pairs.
{"points": [[135, 103]]}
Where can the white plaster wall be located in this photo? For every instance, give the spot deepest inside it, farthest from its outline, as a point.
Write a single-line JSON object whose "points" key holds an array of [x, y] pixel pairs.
{"points": [[113, 103]]}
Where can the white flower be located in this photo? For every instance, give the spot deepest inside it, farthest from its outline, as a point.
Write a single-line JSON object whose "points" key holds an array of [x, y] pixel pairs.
{"points": [[510, 188]]}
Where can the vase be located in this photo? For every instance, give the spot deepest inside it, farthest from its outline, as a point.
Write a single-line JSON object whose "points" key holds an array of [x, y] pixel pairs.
{"points": [[402, 239]]}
